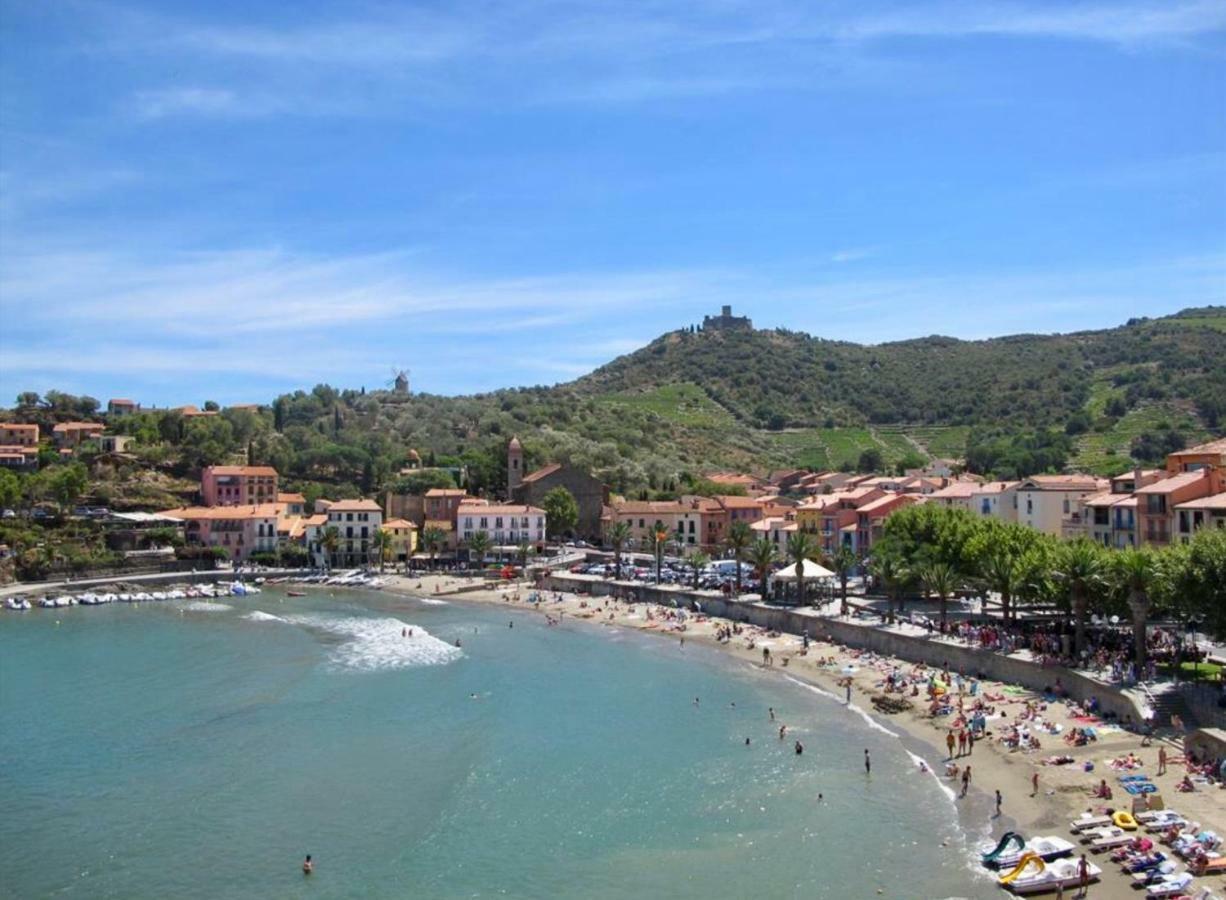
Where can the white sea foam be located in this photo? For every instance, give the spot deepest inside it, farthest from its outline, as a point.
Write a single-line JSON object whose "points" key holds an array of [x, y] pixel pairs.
{"points": [[431, 602], [945, 788], [371, 645], [206, 606], [258, 616], [868, 719]]}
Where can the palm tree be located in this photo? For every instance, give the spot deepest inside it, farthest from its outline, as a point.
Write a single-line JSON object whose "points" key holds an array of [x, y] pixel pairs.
{"points": [[331, 541], [524, 550], [617, 535], [698, 561], [842, 562], [659, 539], [1080, 570], [800, 548], [942, 580], [893, 577], [382, 543], [762, 555], [1135, 570], [739, 539], [433, 537], [1001, 572], [478, 546]]}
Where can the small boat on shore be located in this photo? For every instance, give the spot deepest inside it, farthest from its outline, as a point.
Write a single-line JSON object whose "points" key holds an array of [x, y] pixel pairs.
{"points": [[17, 604], [1047, 849], [1032, 875]]}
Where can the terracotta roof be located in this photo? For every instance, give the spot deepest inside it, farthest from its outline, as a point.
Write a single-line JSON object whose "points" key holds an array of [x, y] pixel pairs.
{"points": [[543, 472], [996, 487], [1218, 445], [1213, 501], [446, 492], [959, 490], [79, 426], [224, 513], [399, 523], [1061, 483], [733, 502], [1104, 498], [355, 506], [252, 471], [886, 503], [283, 497], [1174, 483], [18, 448], [121, 401], [647, 507], [19, 426], [317, 519]]}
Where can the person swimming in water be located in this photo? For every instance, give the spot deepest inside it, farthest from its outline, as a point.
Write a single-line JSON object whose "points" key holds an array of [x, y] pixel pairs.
{"points": [[307, 866], [800, 748]]}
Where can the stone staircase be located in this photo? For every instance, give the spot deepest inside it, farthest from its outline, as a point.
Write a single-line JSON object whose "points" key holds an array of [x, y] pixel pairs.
{"points": [[1165, 700]]}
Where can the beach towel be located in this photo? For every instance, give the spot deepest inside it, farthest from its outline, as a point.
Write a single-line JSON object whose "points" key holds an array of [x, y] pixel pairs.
{"points": [[1126, 778], [1141, 788]]}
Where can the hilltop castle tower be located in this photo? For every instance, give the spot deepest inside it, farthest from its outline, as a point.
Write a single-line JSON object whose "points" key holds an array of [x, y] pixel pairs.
{"points": [[726, 321]]}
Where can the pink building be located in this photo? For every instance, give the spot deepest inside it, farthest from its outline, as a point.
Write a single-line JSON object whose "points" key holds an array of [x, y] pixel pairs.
{"points": [[238, 485], [239, 530]]}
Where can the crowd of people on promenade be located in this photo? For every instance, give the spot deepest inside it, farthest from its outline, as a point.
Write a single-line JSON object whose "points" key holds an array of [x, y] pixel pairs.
{"points": [[1108, 651]]}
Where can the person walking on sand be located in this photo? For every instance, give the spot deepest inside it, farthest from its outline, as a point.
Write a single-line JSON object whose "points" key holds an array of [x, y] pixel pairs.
{"points": [[966, 780], [999, 798], [961, 743], [970, 743], [848, 683], [1161, 760], [1083, 876], [950, 740], [1034, 783]]}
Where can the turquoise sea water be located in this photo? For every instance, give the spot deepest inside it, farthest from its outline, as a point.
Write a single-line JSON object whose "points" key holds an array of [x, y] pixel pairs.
{"points": [[177, 750]]}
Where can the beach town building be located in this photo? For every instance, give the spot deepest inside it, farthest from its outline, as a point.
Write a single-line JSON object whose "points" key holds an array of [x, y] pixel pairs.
{"points": [[442, 504], [1193, 459], [529, 489], [1109, 517], [1203, 512], [995, 500], [356, 522], [313, 530], [1044, 502], [17, 456], [238, 485], [291, 503], [870, 520], [239, 530], [69, 435], [1157, 514], [506, 524], [956, 495], [403, 534], [832, 519], [121, 406], [17, 434], [114, 443], [777, 530], [745, 509]]}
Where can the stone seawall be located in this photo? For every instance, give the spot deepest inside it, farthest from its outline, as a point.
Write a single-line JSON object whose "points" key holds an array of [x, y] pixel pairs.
{"points": [[878, 638]]}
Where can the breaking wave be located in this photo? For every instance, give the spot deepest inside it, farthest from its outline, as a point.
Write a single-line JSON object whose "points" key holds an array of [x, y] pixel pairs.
{"points": [[372, 645]]}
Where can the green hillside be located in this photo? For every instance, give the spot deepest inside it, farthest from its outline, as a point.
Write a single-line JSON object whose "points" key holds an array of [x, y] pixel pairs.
{"points": [[692, 401]]}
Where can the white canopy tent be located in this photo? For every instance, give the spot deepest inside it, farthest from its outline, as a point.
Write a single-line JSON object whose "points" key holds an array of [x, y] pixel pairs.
{"points": [[810, 570]]}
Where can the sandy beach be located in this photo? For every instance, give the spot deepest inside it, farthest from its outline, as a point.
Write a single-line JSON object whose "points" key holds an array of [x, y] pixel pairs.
{"points": [[1064, 791]]}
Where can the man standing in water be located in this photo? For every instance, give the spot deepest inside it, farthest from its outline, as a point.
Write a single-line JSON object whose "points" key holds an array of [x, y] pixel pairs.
{"points": [[868, 763], [307, 866]]}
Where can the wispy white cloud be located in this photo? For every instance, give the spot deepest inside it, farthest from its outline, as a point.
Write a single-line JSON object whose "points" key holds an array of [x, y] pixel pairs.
{"points": [[587, 52]]}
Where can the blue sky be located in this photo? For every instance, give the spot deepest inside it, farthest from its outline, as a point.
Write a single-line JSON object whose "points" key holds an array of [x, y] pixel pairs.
{"points": [[225, 201]]}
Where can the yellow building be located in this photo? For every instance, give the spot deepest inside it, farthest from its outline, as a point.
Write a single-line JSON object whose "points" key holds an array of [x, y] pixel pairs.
{"points": [[404, 539]]}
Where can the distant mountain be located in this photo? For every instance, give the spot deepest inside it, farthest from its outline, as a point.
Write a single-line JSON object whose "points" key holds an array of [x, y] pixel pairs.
{"points": [[691, 401], [776, 379]]}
